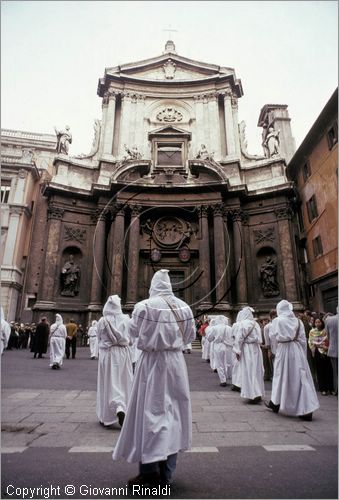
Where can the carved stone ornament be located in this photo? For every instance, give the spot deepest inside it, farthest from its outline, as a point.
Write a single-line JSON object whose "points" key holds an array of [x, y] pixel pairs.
{"points": [[169, 115], [184, 254], [70, 278], [75, 233], [283, 213], [172, 232], [55, 213], [155, 255], [169, 69], [261, 235]]}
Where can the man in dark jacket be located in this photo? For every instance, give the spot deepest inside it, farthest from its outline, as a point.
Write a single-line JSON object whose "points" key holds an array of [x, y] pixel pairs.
{"points": [[41, 338]]}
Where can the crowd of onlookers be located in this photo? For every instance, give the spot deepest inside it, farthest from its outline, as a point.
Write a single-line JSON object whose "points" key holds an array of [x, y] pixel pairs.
{"points": [[22, 336]]}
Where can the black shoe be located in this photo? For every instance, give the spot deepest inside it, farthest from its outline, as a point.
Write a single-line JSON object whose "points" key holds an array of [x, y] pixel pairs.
{"points": [[121, 417], [255, 400], [236, 388], [34, 355], [223, 384], [272, 406], [54, 367], [307, 417]]}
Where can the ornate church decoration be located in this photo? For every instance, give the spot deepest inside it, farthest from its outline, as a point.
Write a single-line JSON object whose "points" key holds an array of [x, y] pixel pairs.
{"points": [[155, 255], [184, 254], [75, 233], [169, 115], [132, 153], [169, 69], [261, 235], [70, 278], [172, 232]]}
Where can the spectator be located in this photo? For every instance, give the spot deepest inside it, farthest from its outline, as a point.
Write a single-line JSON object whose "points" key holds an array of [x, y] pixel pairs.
{"points": [[41, 338], [71, 339], [331, 328], [318, 343]]}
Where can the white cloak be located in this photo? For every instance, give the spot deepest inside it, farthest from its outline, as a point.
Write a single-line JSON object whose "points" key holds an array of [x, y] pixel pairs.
{"points": [[5, 331], [223, 345], [292, 385], [115, 373], [247, 344], [158, 421], [93, 340], [57, 342]]}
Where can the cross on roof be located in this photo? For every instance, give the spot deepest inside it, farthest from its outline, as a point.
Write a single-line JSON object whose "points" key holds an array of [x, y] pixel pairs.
{"points": [[169, 30]]}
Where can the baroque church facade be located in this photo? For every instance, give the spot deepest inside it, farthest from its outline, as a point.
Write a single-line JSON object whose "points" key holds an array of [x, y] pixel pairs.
{"points": [[168, 183]]}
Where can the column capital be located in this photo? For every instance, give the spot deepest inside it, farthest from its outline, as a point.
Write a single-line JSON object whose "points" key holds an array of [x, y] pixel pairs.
{"points": [[54, 212], [218, 209], [100, 214], [283, 212], [135, 210], [237, 214], [204, 209]]}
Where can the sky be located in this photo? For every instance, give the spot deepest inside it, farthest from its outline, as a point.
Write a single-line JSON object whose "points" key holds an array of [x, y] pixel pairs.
{"points": [[54, 52]]}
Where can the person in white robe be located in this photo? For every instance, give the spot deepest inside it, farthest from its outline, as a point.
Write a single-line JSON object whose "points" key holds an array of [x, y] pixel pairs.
{"points": [[223, 345], [247, 349], [293, 391], [236, 371], [115, 374], [93, 340], [208, 346], [5, 331], [135, 352], [158, 421], [57, 343]]}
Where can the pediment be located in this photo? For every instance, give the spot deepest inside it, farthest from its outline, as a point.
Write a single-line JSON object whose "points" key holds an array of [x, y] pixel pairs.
{"points": [[169, 131]]}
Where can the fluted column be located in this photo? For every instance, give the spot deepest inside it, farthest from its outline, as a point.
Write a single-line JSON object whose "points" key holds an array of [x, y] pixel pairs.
{"points": [[118, 251], [50, 282], [125, 123], [229, 124], [204, 258], [239, 256], [133, 256], [219, 255], [99, 241], [109, 123], [286, 245], [215, 146]]}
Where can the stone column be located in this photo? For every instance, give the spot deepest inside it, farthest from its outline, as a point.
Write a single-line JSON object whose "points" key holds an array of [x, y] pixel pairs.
{"points": [[50, 281], [133, 256], [99, 241], [118, 251], [214, 127], [19, 192], [12, 234], [237, 216], [140, 132], [286, 245], [235, 124], [109, 124], [204, 259], [219, 255], [199, 113], [125, 124], [230, 139]]}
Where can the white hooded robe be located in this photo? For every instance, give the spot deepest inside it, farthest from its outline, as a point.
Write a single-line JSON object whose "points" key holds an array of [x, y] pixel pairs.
{"points": [[5, 331], [57, 343], [93, 340], [158, 421], [223, 345], [247, 344], [292, 385], [115, 373]]}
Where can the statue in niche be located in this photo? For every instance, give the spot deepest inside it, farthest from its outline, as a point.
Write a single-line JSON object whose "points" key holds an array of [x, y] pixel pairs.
{"points": [[132, 153], [272, 143], [268, 277], [64, 139], [203, 154], [70, 278]]}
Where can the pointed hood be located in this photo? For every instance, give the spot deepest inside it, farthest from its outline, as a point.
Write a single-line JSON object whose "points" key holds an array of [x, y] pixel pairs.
{"points": [[94, 322], [161, 284], [112, 306], [58, 319], [245, 313], [284, 308]]}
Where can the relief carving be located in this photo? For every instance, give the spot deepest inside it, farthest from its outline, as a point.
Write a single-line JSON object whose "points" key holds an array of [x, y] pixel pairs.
{"points": [[169, 69], [169, 115], [268, 278], [261, 235], [171, 231], [70, 278], [75, 233]]}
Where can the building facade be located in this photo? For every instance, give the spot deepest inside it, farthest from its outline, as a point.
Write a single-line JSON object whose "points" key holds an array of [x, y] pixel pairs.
{"points": [[26, 162], [314, 169], [168, 183]]}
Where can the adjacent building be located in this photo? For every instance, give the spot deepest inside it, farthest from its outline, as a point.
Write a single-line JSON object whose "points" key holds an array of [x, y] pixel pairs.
{"points": [[314, 169]]}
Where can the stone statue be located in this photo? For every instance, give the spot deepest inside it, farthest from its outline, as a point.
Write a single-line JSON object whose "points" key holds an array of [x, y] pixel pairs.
{"points": [[70, 278], [64, 139], [268, 278], [132, 154], [272, 142], [203, 154]]}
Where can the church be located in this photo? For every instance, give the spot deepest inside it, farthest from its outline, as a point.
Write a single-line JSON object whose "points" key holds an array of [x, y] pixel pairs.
{"points": [[168, 184]]}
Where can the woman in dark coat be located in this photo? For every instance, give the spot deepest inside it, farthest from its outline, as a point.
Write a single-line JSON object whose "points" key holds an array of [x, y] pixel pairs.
{"points": [[41, 338]]}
